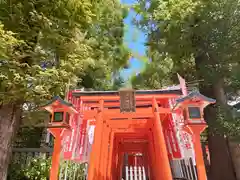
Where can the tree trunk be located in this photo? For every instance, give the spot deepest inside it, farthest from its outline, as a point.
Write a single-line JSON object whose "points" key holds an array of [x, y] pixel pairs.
{"points": [[235, 152], [10, 115], [221, 167]]}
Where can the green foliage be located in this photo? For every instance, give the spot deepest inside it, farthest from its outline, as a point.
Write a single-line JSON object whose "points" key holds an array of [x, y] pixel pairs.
{"points": [[182, 30], [197, 39], [74, 40], [7, 41], [118, 82], [37, 169], [46, 46], [72, 170], [154, 76], [29, 137], [106, 39], [44, 34], [33, 116]]}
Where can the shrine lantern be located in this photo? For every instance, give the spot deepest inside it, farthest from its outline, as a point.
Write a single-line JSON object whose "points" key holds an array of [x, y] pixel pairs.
{"points": [[192, 106], [60, 112]]}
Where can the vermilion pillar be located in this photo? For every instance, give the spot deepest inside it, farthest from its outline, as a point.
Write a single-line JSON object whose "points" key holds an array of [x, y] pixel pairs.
{"points": [[104, 152], [110, 156], [119, 162], [196, 130], [146, 160], [56, 154], [120, 165], [152, 157], [165, 172], [93, 171], [115, 159]]}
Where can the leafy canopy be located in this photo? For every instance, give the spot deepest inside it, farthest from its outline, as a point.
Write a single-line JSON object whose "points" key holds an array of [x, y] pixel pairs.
{"points": [[46, 45], [197, 39], [182, 30]]}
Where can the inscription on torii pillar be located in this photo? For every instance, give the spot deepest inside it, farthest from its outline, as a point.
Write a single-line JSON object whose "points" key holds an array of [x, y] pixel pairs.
{"points": [[127, 100]]}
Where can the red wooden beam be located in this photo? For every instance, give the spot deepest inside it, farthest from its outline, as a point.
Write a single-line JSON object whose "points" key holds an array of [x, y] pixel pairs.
{"points": [[138, 97], [130, 125], [117, 104], [115, 113]]}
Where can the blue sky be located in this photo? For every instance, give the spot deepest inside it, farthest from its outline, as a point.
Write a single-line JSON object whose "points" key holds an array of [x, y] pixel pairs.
{"points": [[134, 39]]}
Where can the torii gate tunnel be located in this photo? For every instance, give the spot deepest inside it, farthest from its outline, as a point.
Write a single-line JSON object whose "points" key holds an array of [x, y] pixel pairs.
{"points": [[143, 128]]}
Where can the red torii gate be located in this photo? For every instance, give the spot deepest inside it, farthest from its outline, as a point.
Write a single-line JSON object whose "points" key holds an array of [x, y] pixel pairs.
{"points": [[130, 122]]}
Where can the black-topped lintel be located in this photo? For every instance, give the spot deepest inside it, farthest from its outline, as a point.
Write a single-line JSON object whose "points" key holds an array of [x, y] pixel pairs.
{"points": [[116, 93]]}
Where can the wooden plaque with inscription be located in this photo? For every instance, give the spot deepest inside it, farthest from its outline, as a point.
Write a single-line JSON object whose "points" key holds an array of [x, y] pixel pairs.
{"points": [[127, 100]]}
